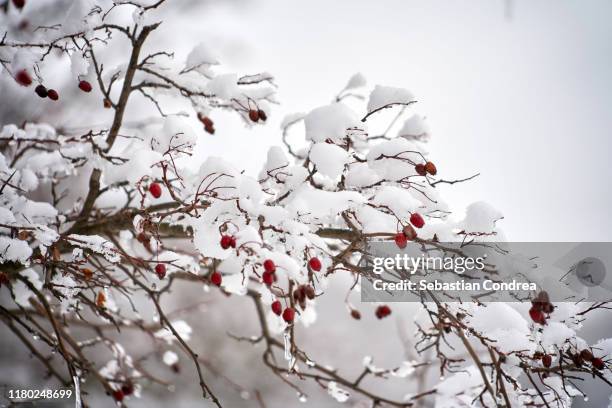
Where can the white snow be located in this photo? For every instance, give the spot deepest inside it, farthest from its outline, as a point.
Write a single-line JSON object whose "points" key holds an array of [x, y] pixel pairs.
{"points": [[386, 96], [414, 127], [329, 159], [356, 81], [14, 250], [182, 328], [330, 122], [200, 58], [170, 358], [336, 392]]}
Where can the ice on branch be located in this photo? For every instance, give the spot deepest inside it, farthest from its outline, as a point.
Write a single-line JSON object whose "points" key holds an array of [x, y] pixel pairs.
{"points": [[180, 326], [336, 392], [406, 369]]}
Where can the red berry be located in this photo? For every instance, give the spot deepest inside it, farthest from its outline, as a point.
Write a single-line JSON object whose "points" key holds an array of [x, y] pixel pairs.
{"points": [[577, 360], [309, 291], [160, 270], [41, 91], [598, 363], [409, 232], [233, 242], [417, 220], [537, 315], [355, 314], [209, 126], [210, 129], [420, 169], [262, 115], [269, 266], [127, 388], [383, 311], [23, 78], [586, 355], [216, 278], [277, 308], [547, 360], [400, 240], [155, 190], [85, 86], [548, 308], [268, 278], [52, 94], [431, 168], [254, 115], [118, 395], [315, 264], [289, 315], [226, 241], [19, 3], [206, 121]]}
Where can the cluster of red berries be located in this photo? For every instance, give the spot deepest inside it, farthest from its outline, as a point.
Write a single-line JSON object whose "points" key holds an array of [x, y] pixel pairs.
{"points": [[541, 308], [288, 314], [408, 233], [303, 292], [209, 126], [155, 190], [578, 358], [383, 311], [215, 278], [23, 78], [227, 241], [257, 114], [586, 356], [269, 275], [46, 93], [427, 168], [125, 390]]}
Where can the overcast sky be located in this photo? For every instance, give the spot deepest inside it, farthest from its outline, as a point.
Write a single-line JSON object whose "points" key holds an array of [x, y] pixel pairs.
{"points": [[524, 101]]}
